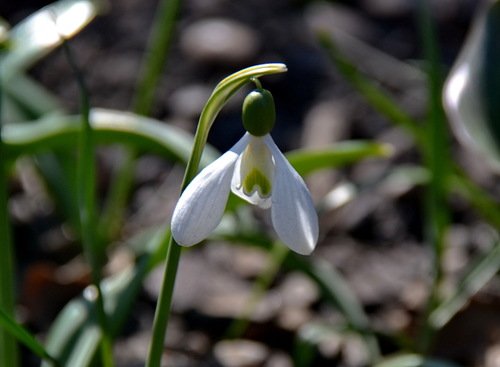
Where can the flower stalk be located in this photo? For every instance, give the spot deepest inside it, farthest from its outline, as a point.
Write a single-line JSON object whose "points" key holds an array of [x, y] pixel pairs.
{"points": [[223, 91]]}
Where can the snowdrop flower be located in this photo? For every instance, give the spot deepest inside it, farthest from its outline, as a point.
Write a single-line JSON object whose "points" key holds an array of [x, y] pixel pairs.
{"points": [[255, 170]]}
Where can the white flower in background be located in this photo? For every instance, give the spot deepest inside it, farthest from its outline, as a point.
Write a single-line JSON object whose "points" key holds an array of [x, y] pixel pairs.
{"points": [[255, 170]]}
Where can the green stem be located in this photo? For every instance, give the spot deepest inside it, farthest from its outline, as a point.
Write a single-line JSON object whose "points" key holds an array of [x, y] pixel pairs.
{"points": [[162, 312], [8, 348], [86, 171], [156, 54], [438, 162], [119, 191], [164, 305]]}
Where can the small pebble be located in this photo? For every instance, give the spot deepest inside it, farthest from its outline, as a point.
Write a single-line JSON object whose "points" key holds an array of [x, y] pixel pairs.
{"points": [[298, 291], [240, 353], [219, 40]]}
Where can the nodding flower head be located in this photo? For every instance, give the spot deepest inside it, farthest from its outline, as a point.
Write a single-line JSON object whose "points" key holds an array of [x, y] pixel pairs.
{"points": [[255, 170]]}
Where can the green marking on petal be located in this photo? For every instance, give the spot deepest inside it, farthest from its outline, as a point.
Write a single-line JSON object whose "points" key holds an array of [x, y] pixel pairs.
{"points": [[256, 180]]}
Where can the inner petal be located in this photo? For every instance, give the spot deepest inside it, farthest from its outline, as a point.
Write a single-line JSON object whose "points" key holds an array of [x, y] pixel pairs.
{"points": [[254, 173]]}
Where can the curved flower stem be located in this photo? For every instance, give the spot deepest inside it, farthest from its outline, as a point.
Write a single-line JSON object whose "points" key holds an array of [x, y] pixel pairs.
{"points": [[222, 92]]}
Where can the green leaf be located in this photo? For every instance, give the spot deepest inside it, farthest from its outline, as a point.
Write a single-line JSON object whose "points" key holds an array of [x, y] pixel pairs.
{"points": [[41, 32], [480, 199], [25, 337], [306, 161], [333, 286], [28, 100], [478, 274], [109, 126], [74, 336], [338, 292], [374, 95]]}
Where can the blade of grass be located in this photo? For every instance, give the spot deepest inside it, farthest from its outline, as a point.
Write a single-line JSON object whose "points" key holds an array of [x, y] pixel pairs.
{"points": [[481, 200], [377, 98], [386, 106], [306, 161], [156, 57], [276, 257], [86, 173], [438, 160], [30, 97], [333, 286], [24, 336], [478, 274], [69, 339], [59, 178], [337, 291], [8, 347]]}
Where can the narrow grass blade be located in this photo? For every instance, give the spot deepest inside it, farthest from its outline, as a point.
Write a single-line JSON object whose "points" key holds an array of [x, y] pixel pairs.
{"points": [[24, 336], [276, 257], [478, 274], [334, 288], [74, 336], [93, 247], [155, 59], [481, 200], [157, 55], [337, 291], [339, 154], [59, 176], [438, 160], [376, 97], [30, 99]]}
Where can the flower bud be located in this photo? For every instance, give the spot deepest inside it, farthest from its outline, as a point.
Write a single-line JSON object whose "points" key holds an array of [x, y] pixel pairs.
{"points": [[258, 112]]}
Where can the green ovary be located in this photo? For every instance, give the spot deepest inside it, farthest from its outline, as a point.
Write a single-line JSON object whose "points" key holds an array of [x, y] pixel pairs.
{"points": [[255, 180]]}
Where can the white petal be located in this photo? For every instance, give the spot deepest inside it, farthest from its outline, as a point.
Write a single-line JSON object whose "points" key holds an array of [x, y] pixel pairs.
{"points": [[256, 165], [201, 205], [293, 215]]}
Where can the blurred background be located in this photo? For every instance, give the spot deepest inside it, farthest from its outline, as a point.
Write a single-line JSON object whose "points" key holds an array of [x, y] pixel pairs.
{"points": [[373, 215]]}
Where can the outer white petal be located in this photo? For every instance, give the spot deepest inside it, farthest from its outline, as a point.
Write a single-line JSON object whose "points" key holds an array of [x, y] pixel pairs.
{"points": [[201, 205], [292, 211]]}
